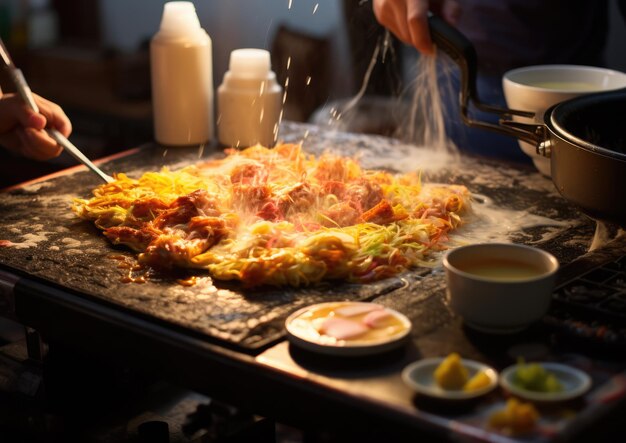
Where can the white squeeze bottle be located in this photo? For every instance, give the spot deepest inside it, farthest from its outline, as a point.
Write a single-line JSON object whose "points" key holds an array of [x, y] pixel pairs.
{"points": [[249, 101], [182, 78]]}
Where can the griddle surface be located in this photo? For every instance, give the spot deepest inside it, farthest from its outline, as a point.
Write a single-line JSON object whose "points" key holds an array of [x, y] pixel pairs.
{"points": [[51, 244]]}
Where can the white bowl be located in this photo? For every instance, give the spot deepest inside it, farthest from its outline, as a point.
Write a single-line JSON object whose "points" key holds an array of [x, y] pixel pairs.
{"points": [[499, 287], [574, 382], [536, 88], [420, 376]]}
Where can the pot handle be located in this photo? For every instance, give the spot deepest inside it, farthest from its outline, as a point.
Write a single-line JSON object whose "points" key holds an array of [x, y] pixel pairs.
{"points": [[462, 52]]}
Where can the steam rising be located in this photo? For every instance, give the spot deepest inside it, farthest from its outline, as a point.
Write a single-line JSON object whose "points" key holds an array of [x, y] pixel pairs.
{"points": [[419, 121], [425, 124]]}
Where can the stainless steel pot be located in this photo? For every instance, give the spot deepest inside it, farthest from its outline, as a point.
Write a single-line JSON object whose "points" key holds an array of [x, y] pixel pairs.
{"points": [[585, 137]]}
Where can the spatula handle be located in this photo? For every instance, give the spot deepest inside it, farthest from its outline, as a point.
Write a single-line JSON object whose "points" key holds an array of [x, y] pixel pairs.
{"points": [[23, 89]]}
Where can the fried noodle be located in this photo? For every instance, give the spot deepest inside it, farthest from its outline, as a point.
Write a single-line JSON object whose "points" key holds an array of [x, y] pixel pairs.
{"points": [[278, 217]]}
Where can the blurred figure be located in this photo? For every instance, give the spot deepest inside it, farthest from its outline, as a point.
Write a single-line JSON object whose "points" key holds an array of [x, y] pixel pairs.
{"points": [[506, 34], [22, 129]]}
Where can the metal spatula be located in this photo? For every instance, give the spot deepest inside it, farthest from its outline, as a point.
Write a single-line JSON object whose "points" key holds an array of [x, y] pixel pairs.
{"points": [[24, 91]]}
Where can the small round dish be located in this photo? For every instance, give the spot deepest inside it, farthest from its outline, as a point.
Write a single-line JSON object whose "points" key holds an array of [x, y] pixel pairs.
{"points": [[390, 331], [575, 383], [420, 377]]}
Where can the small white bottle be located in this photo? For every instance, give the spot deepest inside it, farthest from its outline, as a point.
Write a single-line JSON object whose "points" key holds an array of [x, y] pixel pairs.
{"points": [[249, 101], [182, 78]]}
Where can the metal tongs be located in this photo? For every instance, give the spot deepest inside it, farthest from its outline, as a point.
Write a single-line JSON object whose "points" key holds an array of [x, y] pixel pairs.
{"points": [[462, 52], [24, 91]]}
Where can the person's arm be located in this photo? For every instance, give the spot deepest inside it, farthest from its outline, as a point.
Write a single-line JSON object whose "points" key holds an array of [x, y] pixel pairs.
{"points": [[22, 129], [408, 19]]}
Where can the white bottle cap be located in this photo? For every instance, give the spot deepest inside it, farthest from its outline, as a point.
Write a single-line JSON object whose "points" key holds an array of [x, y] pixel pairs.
{"points": [[250, 63], [179, 17]]}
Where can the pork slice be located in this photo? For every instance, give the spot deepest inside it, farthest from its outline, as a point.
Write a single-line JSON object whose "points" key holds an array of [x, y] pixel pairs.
{"points": [[377, 319], [342, 329], [352, 310]]}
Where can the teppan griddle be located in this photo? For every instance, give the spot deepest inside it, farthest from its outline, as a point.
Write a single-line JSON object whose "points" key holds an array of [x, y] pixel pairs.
{"points": [[52, 248], [156, 329]]}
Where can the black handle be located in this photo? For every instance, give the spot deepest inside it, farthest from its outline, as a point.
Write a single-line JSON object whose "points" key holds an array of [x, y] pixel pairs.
{"points": [[451, 41], [462, 52]]}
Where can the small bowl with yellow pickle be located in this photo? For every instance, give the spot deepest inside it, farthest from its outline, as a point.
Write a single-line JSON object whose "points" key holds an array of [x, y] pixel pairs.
{"points": [[499, 287], [450, 378]]}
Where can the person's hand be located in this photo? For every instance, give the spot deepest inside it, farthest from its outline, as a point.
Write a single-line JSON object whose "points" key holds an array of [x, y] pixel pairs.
{"points": [[22, 129], [408, 19]]}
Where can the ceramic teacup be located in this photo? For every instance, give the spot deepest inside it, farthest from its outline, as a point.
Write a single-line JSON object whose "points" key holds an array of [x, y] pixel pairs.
{"points": [[499, 287]]}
